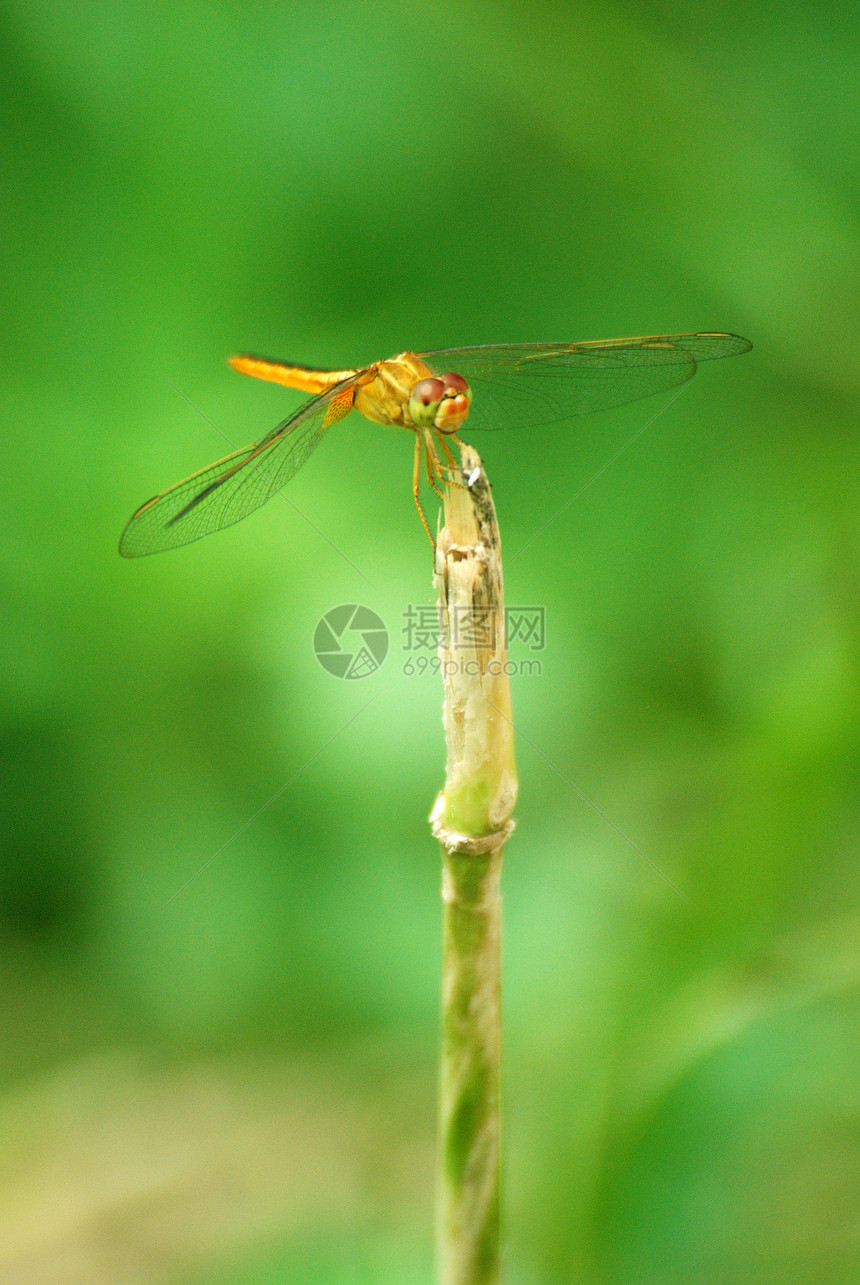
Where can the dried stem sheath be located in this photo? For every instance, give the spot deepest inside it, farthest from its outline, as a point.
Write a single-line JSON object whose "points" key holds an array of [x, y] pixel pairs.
{"points": [[472, 820]]}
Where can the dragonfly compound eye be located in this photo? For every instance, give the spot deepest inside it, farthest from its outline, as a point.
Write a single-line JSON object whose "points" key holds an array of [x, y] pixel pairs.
{"points": [[455, 384], [424, 401]]}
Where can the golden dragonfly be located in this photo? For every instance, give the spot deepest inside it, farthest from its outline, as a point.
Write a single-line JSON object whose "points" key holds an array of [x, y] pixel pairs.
{"points": [[431, 394]]}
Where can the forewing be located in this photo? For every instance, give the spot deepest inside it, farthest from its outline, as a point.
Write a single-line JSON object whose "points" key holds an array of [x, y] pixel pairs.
{"points": [[233, 487], [523, 385]]}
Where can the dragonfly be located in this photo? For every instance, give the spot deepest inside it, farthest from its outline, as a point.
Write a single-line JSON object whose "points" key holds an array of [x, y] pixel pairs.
{"points": [[430, 394]]}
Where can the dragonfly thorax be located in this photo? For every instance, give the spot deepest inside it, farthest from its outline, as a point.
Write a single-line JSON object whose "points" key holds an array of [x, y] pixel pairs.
{"points": [[405, 392]]}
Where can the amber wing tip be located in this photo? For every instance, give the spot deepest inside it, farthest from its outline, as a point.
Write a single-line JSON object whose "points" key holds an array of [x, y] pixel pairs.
{"points": [[740, 344]]}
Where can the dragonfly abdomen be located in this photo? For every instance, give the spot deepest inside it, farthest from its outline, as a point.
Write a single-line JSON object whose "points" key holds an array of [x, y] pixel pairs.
{"points": [[305, 378]]}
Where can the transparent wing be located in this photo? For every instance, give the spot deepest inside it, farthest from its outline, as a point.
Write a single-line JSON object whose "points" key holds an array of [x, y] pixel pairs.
{"points": [[230, 489], [523, 385]]}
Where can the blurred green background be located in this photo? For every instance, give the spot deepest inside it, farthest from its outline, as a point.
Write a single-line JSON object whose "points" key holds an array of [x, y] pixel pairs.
{"points": [[219, 917]]}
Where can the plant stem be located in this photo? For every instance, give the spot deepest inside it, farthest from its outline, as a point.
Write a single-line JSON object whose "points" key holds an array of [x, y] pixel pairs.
{"points": [[472, 820]]}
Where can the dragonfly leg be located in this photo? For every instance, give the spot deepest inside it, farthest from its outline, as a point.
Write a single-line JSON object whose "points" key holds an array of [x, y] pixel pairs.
{"points": [[416, 484], [434, 468], [452, 465]]}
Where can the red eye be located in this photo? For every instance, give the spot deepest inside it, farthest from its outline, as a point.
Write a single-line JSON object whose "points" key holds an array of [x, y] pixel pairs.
{"points": [[428, 391], [456, 382]]}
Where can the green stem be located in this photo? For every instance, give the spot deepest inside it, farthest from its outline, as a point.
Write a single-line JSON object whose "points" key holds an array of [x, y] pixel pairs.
{"points": [[472, 820], [469, 1089]]}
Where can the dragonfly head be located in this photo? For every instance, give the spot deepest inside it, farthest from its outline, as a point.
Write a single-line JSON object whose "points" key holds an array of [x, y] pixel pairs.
{"points": [[440, 402]]}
